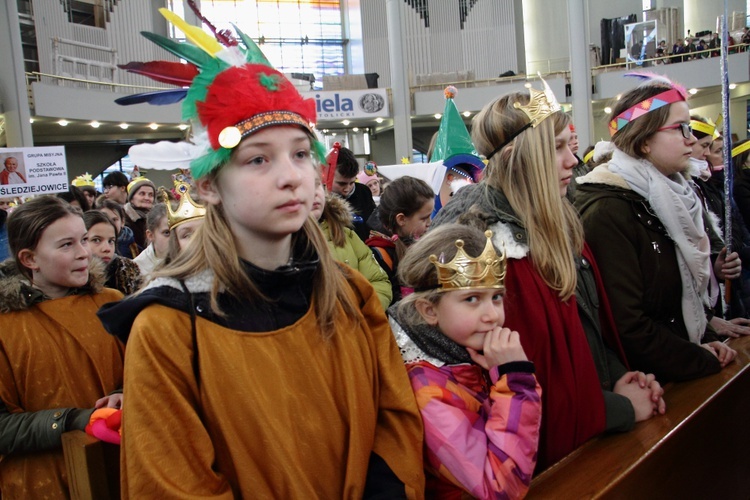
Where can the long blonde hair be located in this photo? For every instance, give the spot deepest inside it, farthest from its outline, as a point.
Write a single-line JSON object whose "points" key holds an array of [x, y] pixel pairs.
{"points": [[526, 172], [214, 247]]}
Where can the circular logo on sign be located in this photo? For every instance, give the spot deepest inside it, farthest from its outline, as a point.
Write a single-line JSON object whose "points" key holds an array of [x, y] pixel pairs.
{"points": [[371, 103]]}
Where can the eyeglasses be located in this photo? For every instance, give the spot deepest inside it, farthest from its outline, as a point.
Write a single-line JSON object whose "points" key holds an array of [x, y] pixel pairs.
{"points": [[685, 129]]}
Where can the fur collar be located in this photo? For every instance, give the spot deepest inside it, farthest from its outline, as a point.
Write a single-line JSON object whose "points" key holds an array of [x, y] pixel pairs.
{"points": [[197, 283], [602, 175], [17, 294], [338, 211]]}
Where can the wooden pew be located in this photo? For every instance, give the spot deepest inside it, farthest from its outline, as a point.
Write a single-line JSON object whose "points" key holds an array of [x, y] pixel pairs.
{"points": [[93, 467], [699, 449]]}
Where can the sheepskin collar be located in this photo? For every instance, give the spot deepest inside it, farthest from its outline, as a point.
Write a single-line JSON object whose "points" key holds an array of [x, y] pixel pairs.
{"points": [[17, 293]]}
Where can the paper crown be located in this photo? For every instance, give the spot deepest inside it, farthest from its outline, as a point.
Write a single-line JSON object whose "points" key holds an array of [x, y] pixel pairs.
{"points": [[738, 150], [186, 211], [469, 273], [542, 104], [83, 180], [233, 91], [707, 128], [329, 165], [453, 145]]}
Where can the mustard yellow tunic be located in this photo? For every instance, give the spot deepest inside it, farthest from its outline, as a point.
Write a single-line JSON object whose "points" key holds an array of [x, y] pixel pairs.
{"points": [[55, 354], [280, 414]]}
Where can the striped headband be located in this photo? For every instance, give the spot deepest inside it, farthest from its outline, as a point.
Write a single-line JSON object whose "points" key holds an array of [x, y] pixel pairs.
{"points": [[652, 103]]}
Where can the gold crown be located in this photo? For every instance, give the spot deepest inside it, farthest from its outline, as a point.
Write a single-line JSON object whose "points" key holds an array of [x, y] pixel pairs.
{"points": [[542, 103], [467, 273], [83, 180], [186, 211]]}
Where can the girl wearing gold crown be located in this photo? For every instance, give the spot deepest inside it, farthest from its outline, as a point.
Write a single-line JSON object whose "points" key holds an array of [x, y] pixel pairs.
{"points": [[257, 366], [645, 225], [555, 298], [475, 387]]}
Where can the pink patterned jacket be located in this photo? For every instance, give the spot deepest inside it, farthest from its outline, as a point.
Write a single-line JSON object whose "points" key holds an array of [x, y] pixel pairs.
{"points": [[481, 429]]}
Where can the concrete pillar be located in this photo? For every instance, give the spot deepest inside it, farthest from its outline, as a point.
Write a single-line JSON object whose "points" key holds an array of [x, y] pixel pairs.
{"points": [[399, 80], [580, 70], [13, 96]]}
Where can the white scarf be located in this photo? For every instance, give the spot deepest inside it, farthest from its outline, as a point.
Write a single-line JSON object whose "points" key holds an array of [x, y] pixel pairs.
{"points": [[680, 211]]}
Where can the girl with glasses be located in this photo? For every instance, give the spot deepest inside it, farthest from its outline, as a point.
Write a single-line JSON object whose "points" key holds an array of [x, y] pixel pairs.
{"points": [[644, 223]]}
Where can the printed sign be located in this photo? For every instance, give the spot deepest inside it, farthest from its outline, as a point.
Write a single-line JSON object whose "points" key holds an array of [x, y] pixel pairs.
{"points": [[33, 171], [368, 103]]}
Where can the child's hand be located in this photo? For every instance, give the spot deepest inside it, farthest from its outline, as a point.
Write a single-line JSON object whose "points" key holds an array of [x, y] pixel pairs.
{"points": [[631, 385], [501, 345], [112, 401]]}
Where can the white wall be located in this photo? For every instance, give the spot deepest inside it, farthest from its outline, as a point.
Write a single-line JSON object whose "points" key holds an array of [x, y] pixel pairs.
{"points": [[701, 15], [611, 9]]}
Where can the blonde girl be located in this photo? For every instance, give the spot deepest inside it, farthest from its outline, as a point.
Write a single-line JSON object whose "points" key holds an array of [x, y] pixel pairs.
{"points": [[257, 366]]}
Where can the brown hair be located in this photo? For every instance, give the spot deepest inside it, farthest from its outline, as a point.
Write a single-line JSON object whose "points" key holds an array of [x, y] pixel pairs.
{"points": [[94, 217], [405, 195], [526, 172], [27, 223], [631, 139]]}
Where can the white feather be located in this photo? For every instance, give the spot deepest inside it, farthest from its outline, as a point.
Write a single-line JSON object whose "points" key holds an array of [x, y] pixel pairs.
{"points": [[458, 184], [164, 155]]}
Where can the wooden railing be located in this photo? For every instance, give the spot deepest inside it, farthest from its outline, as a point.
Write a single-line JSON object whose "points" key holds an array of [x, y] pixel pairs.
{"points": [[699, 449]]}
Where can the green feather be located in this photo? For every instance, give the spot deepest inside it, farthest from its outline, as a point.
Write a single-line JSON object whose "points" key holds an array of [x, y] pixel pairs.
{"points": [[199, 88], [319, 150], [185, 51], [253, 54], [200, 167]]}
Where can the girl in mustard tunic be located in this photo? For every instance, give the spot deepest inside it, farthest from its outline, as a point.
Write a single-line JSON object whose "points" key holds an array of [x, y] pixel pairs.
{"points": [[257, 366]]}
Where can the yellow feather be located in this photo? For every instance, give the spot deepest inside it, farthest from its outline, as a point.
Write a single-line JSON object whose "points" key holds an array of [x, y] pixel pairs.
{"points": [[193, 33]]}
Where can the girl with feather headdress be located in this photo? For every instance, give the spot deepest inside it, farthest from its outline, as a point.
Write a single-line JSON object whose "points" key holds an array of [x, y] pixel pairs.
{"points": [[257, 366]]}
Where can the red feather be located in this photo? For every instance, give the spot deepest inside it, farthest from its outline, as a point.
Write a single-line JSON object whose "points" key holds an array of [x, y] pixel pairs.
{"points": [[173, 73], [224, 37]]}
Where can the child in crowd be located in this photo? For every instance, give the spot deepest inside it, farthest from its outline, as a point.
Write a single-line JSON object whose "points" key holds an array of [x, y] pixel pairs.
{"points": [[402, 217], [335, 218], [257, 366], [157, 235], [554, 297], [122, 273], [126, 245], [475, 387], [57, 363], [183, 222]]}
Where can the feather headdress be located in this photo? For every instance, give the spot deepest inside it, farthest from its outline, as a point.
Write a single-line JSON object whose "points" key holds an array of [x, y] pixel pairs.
{"points": [[232, 91]]}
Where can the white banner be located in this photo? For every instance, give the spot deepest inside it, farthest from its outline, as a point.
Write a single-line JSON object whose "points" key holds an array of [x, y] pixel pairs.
{"points": [[32, 171], [339, 104]]}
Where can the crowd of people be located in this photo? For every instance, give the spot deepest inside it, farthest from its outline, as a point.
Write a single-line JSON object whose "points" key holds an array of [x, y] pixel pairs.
{"points": [[269, 330]]}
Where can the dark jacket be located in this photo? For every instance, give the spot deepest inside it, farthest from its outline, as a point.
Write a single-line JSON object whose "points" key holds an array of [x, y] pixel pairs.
{"points": [[641, 277], [362, 205], [619, 411]]}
